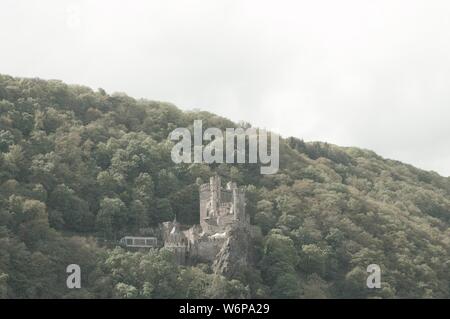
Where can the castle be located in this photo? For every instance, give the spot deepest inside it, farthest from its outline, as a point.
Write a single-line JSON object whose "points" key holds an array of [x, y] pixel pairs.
{"points": [[221, 210]]}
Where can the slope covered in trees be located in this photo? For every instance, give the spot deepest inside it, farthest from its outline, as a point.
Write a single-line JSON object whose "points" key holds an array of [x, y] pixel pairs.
{"points": [[80, 168]]}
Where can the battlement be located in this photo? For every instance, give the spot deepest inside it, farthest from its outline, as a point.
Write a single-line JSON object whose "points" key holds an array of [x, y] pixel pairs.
{"points": [[220, 207], [204, 188]]}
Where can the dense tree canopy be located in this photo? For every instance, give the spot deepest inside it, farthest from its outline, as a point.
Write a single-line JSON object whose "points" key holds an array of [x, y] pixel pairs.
{"points": [[79, 169]]}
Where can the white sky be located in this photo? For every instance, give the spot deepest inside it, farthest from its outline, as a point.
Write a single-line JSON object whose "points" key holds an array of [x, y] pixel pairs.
{"points": [[372, 74]]}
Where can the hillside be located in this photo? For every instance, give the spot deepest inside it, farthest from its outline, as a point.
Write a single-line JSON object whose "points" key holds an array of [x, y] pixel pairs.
{"points": [[81, 168]]}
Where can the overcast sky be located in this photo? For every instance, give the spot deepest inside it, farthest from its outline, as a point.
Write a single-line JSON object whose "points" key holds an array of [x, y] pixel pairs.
{"points": [[372, 74]]}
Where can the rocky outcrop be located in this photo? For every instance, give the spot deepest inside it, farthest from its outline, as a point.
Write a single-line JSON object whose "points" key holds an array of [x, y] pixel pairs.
{"points": [[235, 254]]}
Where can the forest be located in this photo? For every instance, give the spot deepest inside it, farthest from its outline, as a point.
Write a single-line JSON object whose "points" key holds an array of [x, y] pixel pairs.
{"points": [[80, 168]]}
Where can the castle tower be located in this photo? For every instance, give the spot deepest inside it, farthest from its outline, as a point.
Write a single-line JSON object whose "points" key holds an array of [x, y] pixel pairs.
{"points": [[210, 198], [221, 207], [215, 186], [239, 204]]}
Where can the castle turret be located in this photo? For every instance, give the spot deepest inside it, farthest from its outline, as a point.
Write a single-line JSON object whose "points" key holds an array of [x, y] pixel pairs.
{"points": [[215, 186], [239, 204]]}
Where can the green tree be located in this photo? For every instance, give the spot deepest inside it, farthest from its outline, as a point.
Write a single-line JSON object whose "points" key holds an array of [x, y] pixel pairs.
{"points": [[111, 217]]}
